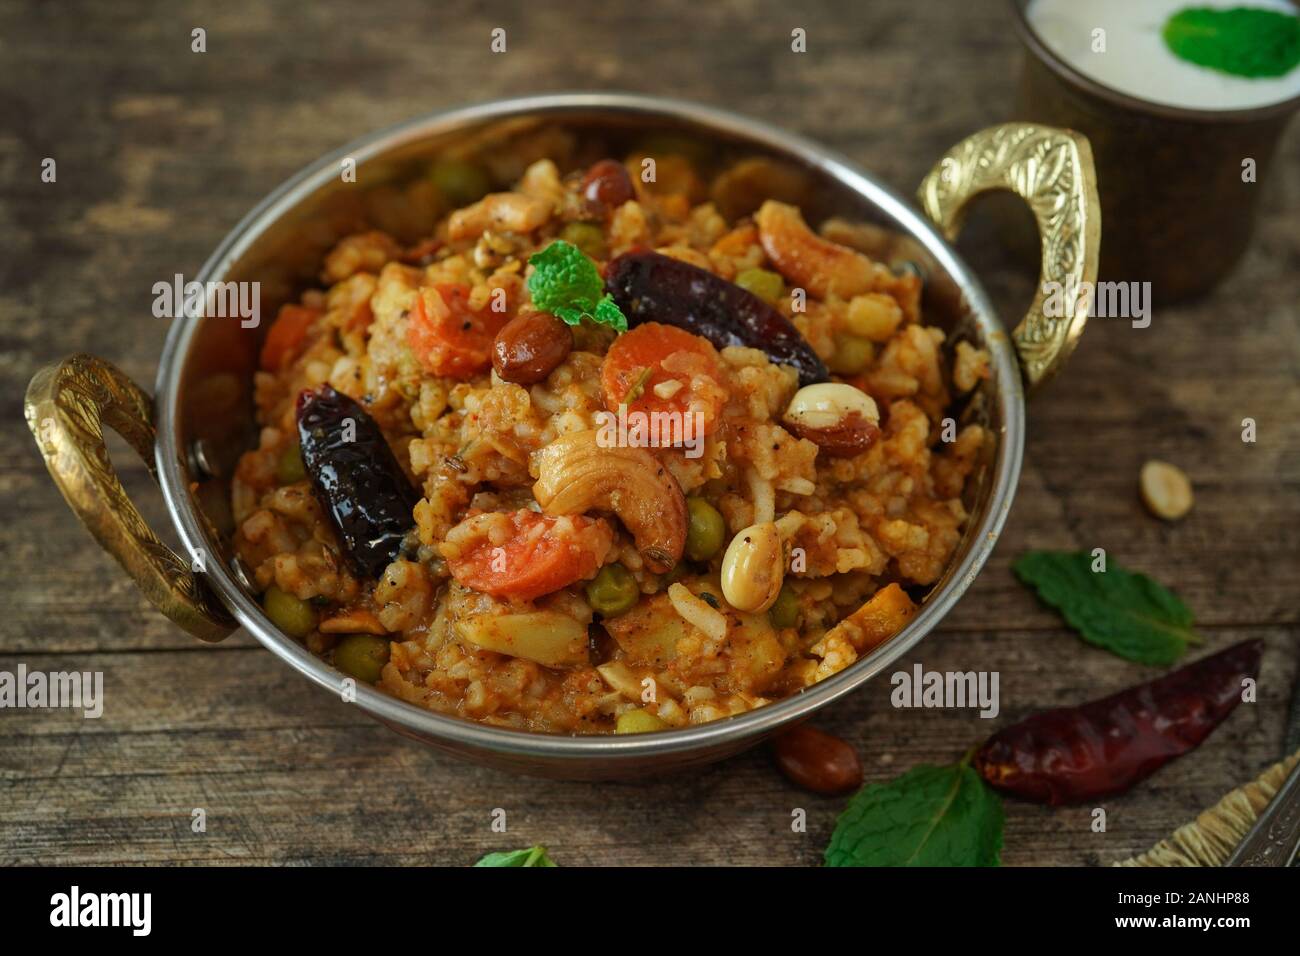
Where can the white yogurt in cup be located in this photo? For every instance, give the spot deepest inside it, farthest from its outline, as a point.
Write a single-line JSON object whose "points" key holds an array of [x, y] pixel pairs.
{"points": [[1131, 56]]}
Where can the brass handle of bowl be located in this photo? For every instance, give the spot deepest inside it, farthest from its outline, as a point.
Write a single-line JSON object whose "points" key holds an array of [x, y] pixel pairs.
{"points": [[68, 404], [1051, 170]]}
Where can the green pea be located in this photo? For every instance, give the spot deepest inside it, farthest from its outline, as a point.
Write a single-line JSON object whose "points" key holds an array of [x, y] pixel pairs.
{"points": [[853, 353], [705, 530], [638, 722], [289, 468], [460, 182], [587, 236], [785, 611], [764, 283], [613, 591], [295, 617], [362, 656]]}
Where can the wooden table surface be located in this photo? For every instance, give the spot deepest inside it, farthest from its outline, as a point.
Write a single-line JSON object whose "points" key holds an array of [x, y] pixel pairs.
{"points": [[160, 151]]}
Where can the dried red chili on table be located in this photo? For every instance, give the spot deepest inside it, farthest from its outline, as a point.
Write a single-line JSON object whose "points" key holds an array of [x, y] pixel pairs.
{"points": [[1105, 746]]}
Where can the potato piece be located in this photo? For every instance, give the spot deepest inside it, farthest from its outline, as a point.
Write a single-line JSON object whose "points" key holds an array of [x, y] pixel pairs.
{"points": [[648, 634], [545, 637], [879, 619], [756, 654], [620, 677]]}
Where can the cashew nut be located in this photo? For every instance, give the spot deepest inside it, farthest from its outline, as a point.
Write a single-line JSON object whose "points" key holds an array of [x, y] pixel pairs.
{"points": [[500, 212], [576, 475], [822, 267]]}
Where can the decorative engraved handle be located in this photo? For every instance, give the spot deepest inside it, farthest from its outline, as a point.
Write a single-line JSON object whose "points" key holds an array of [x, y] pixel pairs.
{"points": [[1274, 838], [1051, 170], [67, 406]]}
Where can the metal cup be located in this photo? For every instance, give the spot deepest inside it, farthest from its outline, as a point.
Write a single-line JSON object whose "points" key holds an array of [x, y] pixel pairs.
{"points": [[1178, 204]]}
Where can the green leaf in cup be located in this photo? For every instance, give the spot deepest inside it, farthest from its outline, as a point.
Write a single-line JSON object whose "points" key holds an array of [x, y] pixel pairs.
{"points": [[1242, 41]]}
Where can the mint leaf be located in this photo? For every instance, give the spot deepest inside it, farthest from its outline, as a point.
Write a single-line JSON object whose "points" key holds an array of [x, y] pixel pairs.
{"points": [[570, 315], [563, 275], [1242, 41], [930, 816], [1125, 613], [566, 283], [608, 313], [533, 856]]}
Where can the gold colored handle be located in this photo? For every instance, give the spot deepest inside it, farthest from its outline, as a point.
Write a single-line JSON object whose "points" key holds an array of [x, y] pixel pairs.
{"points": [[67, 406], [1051, 170]]}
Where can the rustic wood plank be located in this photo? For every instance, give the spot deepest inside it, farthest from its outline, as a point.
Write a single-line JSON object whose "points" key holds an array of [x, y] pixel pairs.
{"points": [[161, 150], [287, 773]]}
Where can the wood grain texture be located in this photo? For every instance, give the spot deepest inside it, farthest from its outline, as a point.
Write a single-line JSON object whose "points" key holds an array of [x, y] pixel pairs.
{"points": [[160, 151]]}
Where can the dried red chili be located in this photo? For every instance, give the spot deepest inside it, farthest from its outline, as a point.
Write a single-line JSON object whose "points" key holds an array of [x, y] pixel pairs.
{"points": [[1105, 746], [650, 287], [356, 477]]}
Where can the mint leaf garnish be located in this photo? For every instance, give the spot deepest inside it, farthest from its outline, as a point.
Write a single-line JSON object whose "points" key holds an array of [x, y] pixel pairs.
{"points": [[930, 816], [533, 856], [1242, 41], [608, 313], [566, 283], [1127, 614]]}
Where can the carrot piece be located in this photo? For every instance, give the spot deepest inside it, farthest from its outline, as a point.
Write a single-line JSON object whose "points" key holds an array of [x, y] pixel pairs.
{"points": [[540, 554], [448, 337], [737, 242], [286, 335], [879, 619], [654, 355]]}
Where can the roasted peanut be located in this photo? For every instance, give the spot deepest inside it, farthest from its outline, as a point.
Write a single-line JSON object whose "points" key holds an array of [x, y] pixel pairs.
{"points": [[606, 187], [530, 346], [753, 568], [840, 419], [817, 761], [1165, 490]]}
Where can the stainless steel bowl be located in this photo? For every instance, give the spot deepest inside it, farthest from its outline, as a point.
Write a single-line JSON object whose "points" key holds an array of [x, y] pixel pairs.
{"points": [[203, 410]]}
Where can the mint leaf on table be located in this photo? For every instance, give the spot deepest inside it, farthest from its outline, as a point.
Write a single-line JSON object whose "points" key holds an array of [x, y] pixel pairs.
{"points": [[930, 816], [533, 856], [566, 283], [1242, 41], [1125, 613]]}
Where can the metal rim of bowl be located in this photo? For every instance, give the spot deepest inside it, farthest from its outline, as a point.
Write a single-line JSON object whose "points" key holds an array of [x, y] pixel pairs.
{"points": [[506, 741], [1135, 104]]}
